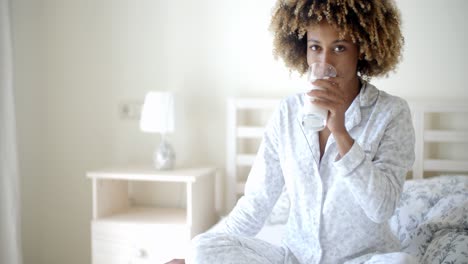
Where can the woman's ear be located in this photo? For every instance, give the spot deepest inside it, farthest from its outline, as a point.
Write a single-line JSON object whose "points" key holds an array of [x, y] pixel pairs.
{"points": [[359, 66], [360, 61]]}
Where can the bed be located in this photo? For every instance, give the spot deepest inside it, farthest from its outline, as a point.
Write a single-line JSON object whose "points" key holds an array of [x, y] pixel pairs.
{"points": [[431, 220]]}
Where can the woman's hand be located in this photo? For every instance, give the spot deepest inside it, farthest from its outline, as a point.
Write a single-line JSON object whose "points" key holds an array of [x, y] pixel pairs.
{"points": [[176, 261], [332, 98], [336, 100]]}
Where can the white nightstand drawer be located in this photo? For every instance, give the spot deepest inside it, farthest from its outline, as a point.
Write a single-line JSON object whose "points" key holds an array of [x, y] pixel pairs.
{"points": [[138, 243], [134, 221]]}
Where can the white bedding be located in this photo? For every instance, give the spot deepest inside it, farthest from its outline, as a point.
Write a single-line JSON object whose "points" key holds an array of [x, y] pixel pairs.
{"points": [[431, 220]]}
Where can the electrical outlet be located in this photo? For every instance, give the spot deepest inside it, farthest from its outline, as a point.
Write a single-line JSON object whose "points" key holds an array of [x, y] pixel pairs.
{"points": [[130, 110]]}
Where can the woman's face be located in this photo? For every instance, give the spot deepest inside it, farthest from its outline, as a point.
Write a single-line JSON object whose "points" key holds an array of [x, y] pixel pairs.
{"points": [[324, 45]]}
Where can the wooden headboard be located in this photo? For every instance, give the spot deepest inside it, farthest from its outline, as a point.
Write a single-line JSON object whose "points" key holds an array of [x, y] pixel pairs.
{"points": [[436, 124]]}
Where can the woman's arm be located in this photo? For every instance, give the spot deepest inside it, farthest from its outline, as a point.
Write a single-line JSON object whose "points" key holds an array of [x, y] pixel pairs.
{"points": [[263, 187], [377, 182]]}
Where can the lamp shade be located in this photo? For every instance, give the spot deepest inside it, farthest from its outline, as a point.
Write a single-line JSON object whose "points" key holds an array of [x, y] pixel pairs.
{"points": [[157, 114]]}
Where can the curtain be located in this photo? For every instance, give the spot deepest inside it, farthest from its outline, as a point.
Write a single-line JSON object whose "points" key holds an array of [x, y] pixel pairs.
{"points": [[10, 244]]}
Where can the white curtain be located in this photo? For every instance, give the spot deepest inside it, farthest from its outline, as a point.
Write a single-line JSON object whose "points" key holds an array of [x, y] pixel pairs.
{"points": [[10, 244]]}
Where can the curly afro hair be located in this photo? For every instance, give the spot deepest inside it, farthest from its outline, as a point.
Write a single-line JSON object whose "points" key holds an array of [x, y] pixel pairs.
{"points": [[374, 25]]}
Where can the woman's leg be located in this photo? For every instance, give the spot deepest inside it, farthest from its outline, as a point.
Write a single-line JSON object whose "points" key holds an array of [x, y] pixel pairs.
{"points": [[220, 248]]}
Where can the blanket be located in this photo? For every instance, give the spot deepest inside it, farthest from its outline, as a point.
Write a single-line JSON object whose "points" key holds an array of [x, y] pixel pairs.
{"points": [[431, 220]]}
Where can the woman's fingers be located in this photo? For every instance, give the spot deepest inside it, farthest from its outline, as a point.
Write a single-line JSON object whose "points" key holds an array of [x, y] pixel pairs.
{"points": [[329, 96]]}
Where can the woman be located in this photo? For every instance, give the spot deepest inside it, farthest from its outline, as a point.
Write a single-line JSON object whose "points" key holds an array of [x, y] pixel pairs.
{"points": [[343, 182]]}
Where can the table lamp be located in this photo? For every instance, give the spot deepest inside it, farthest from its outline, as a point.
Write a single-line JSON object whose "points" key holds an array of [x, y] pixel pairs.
{"points": [[157, 116]]}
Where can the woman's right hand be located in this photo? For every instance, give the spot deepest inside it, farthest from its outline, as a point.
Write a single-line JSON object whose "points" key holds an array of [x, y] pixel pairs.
{"points": [[176, 261]]}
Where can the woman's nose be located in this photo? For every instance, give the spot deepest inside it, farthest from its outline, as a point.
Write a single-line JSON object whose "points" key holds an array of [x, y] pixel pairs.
{"points": [[326, 57]]}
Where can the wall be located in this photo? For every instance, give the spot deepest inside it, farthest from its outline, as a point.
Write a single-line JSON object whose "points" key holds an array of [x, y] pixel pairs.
{"points": [[29, 87], [76, 61], [434, 62]]}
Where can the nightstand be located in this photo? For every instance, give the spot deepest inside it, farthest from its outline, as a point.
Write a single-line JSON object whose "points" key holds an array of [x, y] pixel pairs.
{"points": [[141, 215]]}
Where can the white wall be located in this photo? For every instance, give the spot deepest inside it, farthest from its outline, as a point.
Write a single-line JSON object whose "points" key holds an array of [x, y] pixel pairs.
{"points": [[435, 57], [77, 60], [29, 85]]}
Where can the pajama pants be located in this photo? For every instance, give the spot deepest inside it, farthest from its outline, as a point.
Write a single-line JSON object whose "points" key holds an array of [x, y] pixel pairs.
{"points": [[218, 248]]}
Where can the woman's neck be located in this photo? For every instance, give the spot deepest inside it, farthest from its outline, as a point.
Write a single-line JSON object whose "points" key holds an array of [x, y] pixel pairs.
{"points": [[352, 90]]}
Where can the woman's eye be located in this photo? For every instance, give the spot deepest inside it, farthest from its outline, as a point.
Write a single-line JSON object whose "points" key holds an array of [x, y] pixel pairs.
{"points": [[339, 49], [314, 47]]}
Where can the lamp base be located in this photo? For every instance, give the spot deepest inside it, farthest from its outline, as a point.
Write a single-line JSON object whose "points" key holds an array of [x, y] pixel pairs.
{"points": [[164, 156]]}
